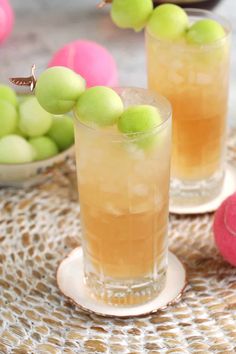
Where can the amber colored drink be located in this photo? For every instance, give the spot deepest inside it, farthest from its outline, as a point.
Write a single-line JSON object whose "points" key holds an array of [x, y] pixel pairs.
{"points": [[124, 193], [195, 80]]}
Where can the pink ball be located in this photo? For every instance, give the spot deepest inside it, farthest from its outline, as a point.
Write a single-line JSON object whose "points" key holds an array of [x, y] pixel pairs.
{"points": [[6, 19], [225, 229], [90, 60]]}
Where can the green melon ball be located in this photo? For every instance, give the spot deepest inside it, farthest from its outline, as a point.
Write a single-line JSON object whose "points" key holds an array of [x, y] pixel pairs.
{"points": [[15, 149], [17, 131], [23, 97], [99, 105], [131, 13], [9, 95], [205, 31], [44, 147], [8, 118], [62, 131], [140, 119], [58, 89], [168, 22], [34, 120]]}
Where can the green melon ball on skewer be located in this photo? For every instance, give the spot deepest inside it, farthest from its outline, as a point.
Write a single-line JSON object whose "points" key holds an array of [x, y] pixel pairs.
{"points": [[205, 31], [208, 32], [62, 131], [44, 147], [15, 149], [131, 13], [58, 88], [8, 94], [34, 120], [99, 106], [8, 118], [139, 122], [168, 22], [139, 119]]}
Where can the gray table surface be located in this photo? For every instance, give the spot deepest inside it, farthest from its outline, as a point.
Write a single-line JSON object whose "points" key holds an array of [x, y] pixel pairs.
{"points": [[43, 26]]}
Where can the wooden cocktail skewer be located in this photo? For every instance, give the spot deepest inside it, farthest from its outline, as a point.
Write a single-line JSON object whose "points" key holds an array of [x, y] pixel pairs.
{"points": [[26, 81]]}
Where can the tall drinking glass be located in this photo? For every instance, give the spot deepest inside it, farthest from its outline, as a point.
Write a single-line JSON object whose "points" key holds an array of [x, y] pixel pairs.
{"points": [[124, 191], [195, 80]]}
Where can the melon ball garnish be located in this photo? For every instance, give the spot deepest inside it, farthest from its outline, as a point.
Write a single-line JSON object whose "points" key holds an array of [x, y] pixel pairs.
{"points": [[168, 22], [62, 131], [9, 95], [15, 149], [8, 118], [140, 119], [205, 31], [34, 120], [44, 147], [131, 13], [100, 106], [58, 89]]}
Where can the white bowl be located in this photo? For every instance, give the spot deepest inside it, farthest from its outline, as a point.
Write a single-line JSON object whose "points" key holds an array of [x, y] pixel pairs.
{"points": [[28, 174]]}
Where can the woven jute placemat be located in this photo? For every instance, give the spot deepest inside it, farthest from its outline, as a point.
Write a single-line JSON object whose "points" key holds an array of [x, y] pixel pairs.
{"points": [[39, 226]]}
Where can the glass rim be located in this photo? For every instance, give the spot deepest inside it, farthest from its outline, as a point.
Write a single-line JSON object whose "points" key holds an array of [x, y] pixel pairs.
{"points": [[136, 135], [209, 14]]}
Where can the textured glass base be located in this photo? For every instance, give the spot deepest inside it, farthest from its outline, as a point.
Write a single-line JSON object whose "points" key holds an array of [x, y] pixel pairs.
{"points": [[70, 280], [126, 292], [194, 193]]}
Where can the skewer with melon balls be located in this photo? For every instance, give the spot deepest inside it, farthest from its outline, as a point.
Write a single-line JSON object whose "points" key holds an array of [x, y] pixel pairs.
{"points": [[60, 90], [166, 22], [96, 106]]}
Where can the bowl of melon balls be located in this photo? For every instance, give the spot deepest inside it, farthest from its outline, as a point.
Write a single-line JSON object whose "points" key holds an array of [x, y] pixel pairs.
{"points": [[31, 139]]}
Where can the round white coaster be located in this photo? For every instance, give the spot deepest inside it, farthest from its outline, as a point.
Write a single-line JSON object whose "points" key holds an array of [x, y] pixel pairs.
{"points": [[71, 284], [229, 187]]}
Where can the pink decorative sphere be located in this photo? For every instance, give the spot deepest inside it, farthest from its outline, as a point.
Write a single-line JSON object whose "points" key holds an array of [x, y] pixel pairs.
{"points": [[225, 229], [90, 60], [6, 19]]}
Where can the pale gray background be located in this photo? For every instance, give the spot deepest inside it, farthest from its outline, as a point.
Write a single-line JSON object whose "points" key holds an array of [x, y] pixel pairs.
{"points": [[43, 26]]}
